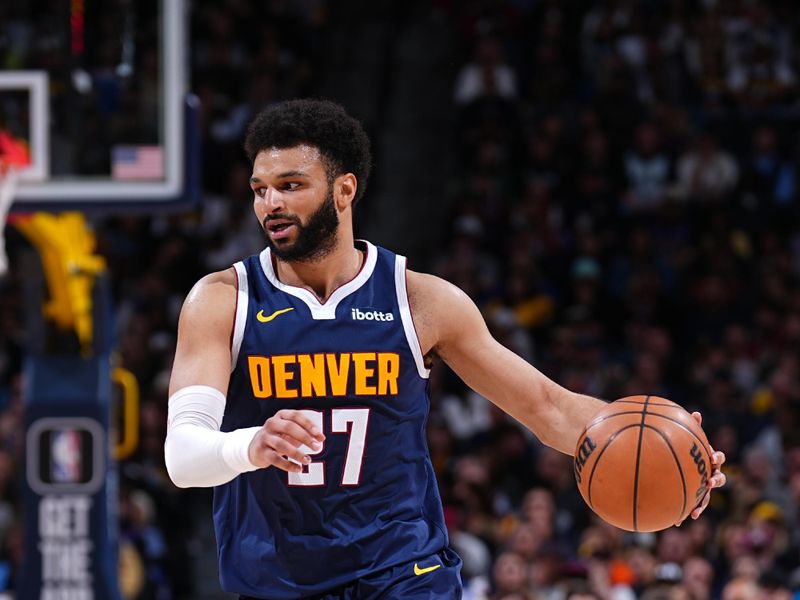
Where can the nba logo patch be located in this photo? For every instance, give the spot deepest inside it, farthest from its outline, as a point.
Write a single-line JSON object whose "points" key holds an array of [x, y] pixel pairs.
{"points": [[65, 455], [66, 452]]}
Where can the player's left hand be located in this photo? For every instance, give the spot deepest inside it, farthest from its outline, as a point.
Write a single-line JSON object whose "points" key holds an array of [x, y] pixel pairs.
{"points": [[716, 480]]}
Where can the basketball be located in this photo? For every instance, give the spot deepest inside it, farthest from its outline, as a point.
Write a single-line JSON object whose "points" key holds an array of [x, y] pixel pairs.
{"points": [[642, 463]]}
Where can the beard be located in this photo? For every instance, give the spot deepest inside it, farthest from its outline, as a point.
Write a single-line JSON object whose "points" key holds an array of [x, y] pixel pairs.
{"points": [[314, 240]]}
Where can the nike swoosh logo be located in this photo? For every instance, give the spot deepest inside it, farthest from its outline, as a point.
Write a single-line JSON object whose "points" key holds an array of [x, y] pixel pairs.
{"points": [[418, 571], [262, 319]]}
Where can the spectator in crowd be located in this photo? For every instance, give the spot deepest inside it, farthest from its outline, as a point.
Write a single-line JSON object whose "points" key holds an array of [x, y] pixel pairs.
{"points": [[706, 173], [487, 75], [648, 170], [769, 180]]}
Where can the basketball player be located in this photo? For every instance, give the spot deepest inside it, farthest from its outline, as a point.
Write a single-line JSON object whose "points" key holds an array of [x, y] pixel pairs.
{"points": [[299, 389]]}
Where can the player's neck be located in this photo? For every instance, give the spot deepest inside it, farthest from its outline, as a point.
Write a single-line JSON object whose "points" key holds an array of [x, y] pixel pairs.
{"points": [[322, 277]]}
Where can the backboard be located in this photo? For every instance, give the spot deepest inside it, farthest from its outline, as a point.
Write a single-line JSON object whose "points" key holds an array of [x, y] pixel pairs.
{"points": [[97, 90]]}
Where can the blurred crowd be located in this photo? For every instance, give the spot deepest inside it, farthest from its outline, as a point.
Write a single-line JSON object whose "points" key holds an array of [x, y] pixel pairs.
{"points": [[623, 209], [625, 213]]}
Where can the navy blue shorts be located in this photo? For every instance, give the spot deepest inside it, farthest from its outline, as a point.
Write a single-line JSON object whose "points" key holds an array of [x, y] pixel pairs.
{"points": [[437, 577]]}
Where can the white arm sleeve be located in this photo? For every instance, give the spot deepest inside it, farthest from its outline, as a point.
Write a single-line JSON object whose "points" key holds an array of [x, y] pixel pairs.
{"points": [[196, 452]]}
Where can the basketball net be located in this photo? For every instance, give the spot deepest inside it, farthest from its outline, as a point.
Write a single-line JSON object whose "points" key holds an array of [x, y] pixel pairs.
{"points": [[14, 156]]}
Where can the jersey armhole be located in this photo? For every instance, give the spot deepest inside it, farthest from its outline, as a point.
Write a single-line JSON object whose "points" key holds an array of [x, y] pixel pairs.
{"points": [[405, 315], [240, 318]]}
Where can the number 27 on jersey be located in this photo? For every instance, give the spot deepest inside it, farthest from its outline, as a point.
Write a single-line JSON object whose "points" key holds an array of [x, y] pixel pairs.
{"points": [[353, 422]]}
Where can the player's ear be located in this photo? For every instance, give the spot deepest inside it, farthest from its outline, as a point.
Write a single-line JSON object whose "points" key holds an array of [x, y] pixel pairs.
{"points": [[344, 190]]}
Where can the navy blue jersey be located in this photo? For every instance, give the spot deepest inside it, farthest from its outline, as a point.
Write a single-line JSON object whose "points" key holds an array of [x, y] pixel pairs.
{"points": [[369, 499]]}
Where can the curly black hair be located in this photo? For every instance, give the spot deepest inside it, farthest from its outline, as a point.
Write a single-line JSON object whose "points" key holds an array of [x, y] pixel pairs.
{"points": [[341, 140]]}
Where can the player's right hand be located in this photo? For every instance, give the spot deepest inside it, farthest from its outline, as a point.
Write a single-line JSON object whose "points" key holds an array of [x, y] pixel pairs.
{"points": [[283, 439]]}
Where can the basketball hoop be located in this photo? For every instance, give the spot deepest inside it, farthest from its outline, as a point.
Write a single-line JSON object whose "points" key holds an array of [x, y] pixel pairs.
{"points": [[14, 156]]}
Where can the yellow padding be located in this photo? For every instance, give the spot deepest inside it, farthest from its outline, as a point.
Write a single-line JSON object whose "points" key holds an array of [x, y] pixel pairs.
{"points": [[129, 438], [66, 246]]}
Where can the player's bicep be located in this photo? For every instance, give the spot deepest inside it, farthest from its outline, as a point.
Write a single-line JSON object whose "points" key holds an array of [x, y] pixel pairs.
{"points": [[465, 343], [203, 351], [488, 367], [467, 346]]}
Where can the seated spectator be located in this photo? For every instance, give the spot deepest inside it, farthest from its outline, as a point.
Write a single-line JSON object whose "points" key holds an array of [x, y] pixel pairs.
{"points": [[509, 576], [769, 179], [775, 586], [580, 592], [761, 77], [741, 589], [698, 577], [487, 75], [706, 173], [647, 170]]}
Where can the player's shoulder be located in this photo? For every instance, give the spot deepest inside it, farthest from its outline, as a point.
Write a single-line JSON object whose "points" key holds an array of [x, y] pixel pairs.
{"points": [[438, 307], [217, 283], [427, 289], [213, 296]]}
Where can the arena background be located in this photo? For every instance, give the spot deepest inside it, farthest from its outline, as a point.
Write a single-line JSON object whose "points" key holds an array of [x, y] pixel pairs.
{"points": [[614, 183]]}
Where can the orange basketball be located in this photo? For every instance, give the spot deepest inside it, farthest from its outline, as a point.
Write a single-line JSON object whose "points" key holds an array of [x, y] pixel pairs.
{"points": [[642, 463]]}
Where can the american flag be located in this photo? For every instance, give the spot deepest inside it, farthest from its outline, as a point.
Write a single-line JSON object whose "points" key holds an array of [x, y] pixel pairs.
{"points": [[137, 162]]}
